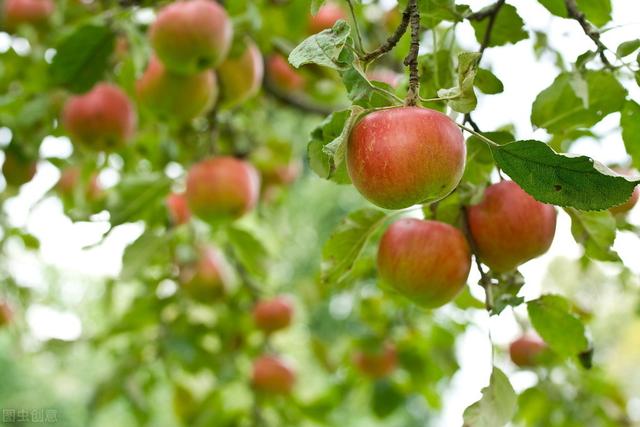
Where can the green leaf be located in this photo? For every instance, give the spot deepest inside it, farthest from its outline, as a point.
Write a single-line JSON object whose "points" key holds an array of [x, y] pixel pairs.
{"points": [[82, 57], [137, 197], [507, 28], [362, 92], [557, 7], [497, 405], [137, 255], [463, 99], [323, 48], [562, 180], [487, 82], [564, 332], [505, 294], [596, 11], [559, 109], [249, 250], [480, 163], [631, 130], [596, 231], [628, 47], [347, 241], [432, 12], [386, 397]]}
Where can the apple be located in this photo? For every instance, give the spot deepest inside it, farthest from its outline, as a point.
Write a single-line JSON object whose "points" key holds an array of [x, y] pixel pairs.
{"points": [[401, 156], [17, 170], [427, 261], [625, 207], [376, 364], [6, 314], [102, 118], [176, 97], [222, 188], [271, 374], [527, 351], [240, 75], [326, 17], [20, 12], [178, 208], [208, 277], [70, 180], [283, 75], [273, 314], [509, 227], [191, 36]]}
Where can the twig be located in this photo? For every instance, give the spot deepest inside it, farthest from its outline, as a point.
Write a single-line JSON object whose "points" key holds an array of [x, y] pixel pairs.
{"points": [[472, 123], [483, 13], [411, 60], [485, 280], [591, 31], [296, 101], [393, 40], [493, 14]]}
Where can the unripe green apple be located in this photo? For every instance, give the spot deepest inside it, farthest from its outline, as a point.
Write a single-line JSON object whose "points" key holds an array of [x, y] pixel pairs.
{"points": [[402, 156], [208, 278], [240, 75], [527, 351], [191, 36], [31, 12], [326, 17], [17, 170], [282, 74], [376, 364], [427, 261], [6, 314], [271, 374], [509, 227], [102, 118], [625, 207], [222, 188], [175, 97], [178, 208], [273, 314]]}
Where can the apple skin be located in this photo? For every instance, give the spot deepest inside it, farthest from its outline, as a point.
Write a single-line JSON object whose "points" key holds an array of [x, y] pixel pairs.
{"points": [[102, 118], [209, 277], [625, 207], [222, 188], [273, 314], [509, 227], [326, 17], [377, 364], [175, 97], [6, 314], [283, 75], [527, 350], [70, 179], [427, 261], [19, 12], [241, 76], [402, 156], [178, 208], [273, 375], [17, 170], [191, 36]]}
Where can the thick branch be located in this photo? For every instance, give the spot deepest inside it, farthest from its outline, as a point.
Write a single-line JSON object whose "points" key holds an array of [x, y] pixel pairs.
{"points": [[393, 40], [411, 60], [591, 31]]}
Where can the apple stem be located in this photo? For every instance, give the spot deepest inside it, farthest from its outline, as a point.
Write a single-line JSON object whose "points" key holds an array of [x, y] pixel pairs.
{"points": [[479, 135], [411, 61]]}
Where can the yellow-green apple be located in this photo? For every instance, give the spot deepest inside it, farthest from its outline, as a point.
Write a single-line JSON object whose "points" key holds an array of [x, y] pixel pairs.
{"points": [[273, 314], [222, 188], [20, 12], [401, 156], [376, 363], [178, 208], [509, 227], [208, 277], [175, 97], [191, 36], [17, 169], [527, 351], [427, 261], [102, 118], [282, 74], [271, 374], [326, 17], [240, 75]]}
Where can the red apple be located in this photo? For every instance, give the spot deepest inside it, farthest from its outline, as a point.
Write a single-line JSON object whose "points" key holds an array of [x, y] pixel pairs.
{"points": [[273, 314], [427, 261], [175, 97], [32, 12], [240, 75], [17, 170], [509, 227], [406, 155], [102, 118], [271, 374], [222, 188], [70, 180], [283, 75], [527, 351], [6, 314], [191, 36], [376, 364], [625, 207], [208, 277], [326, 17], [178, 207]]}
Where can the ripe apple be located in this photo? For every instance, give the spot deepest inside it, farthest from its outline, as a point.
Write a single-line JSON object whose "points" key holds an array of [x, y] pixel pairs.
{"points": [[283, 75], [427, 261], [20, 12], [176, 97], [271, 374], [222, 188], [191, 36], [178, 207], [17, 170], [406, 155], [326, 17], [273, 314], [70, 180], [509, 227], [527, 351], [240, 75], [625, 207], [376, 364], [208, 277], [102, 118], [6, 314]]}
